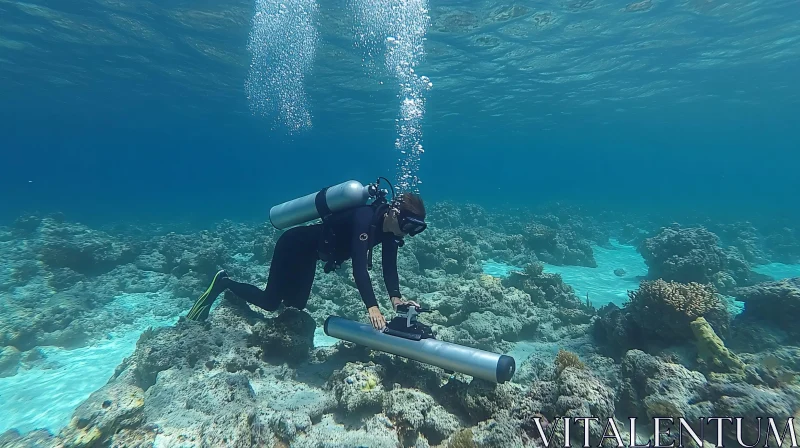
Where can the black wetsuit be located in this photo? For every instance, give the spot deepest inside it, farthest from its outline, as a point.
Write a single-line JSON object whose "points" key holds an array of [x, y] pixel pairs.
{"points": [[294, 262]]}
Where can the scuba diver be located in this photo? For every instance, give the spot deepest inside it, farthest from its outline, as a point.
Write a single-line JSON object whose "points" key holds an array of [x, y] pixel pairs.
{"points": [[349, 233]]}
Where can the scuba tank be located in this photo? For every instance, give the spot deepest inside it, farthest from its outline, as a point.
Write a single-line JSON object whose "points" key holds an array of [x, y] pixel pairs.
{"points": [[325, 202]]}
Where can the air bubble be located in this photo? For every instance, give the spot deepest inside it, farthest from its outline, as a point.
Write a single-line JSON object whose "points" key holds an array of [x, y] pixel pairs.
{"points": [[282, 45], [402, 25]]}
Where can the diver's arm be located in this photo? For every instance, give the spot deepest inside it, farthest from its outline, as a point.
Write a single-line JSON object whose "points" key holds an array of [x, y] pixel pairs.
{"points": [[389, 262], [390, 276], [359, 250]]}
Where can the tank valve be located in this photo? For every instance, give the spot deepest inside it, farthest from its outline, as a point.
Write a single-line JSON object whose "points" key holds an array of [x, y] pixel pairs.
{"points": [[376, 192]]}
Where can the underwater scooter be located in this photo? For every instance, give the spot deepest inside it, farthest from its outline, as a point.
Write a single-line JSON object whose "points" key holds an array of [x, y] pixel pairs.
{"points": [[405, 336]]}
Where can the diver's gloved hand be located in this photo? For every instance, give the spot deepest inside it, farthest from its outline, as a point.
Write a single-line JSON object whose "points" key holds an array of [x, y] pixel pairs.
{"points": [[397, 301], [376, 318]]}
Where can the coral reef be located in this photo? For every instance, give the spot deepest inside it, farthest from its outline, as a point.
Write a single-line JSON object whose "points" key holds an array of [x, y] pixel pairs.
{"points": [[558, 246], [616, 331], [543, 287], [80, 250], [662, 316], [448, 251], [694, 254], [66, 277], [212, 382], [742, 235], [558, 236], [783, 245], [652, 387], [247, 377]]}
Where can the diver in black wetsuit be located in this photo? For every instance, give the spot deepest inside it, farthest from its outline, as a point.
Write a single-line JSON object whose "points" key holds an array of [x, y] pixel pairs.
{"points": [[350, 234]]}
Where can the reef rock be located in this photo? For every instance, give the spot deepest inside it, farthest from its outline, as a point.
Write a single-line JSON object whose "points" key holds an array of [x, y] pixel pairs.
{"points": [[115, 406], [83, 250], [484, 314], [783, 245], [35, 439], [288, 336], [581, 394], [694, 255], [773, 304], [416, 412], [653, 388], [203, 383], [751, 402], [358, 387], [445, 250], [376, 432], [543, 287], [559, 246], [9, 361], [211, 383], [616, 331], [482, 400], [500, 432], [712, 354]]}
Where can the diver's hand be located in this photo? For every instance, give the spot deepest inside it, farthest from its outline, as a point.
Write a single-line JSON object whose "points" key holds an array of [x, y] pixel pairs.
{"points": [[376, 318], [397, 301]]}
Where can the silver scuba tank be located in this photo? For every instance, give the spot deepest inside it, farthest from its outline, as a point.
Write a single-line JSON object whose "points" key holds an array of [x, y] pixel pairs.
{"points": [[318, 204]]}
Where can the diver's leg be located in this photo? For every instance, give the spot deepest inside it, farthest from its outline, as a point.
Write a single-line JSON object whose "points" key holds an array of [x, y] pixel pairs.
{"points": [[291, 272], [252, 294], [301, 270], [290, 278]]}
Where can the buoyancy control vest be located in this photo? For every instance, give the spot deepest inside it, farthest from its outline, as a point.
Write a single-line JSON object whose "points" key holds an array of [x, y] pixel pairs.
{"points": [[334, 225]]}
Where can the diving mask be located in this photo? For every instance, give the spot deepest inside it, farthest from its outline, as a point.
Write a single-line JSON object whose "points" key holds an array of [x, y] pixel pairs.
{"points": [[411, 224]]}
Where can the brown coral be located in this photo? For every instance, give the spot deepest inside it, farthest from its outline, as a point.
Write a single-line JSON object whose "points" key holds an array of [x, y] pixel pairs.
{"points": [[566, 359], [463, 439], [691, 299], [665, 309]]}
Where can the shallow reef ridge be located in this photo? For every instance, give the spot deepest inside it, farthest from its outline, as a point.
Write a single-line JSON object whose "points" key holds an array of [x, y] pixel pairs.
{"points": [[675, 348]]}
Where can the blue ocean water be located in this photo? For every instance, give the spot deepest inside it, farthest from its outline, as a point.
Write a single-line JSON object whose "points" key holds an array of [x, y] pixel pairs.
{"points": [[114, 114], [639, 116]]}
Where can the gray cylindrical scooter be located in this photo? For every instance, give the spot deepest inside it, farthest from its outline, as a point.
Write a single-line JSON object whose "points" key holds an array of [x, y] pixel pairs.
{"points": [[423, 347]]}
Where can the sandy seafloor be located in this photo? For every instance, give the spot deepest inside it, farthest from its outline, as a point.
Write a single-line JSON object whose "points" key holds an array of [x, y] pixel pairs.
{"points": [[46, 397]]}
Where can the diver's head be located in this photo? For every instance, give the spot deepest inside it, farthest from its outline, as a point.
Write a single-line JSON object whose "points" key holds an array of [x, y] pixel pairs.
{"points": [[406, 216]]}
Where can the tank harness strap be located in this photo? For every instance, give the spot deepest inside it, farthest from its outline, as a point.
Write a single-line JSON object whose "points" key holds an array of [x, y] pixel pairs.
{"points": [[328, 237], [381, 209], [322, 204]]}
